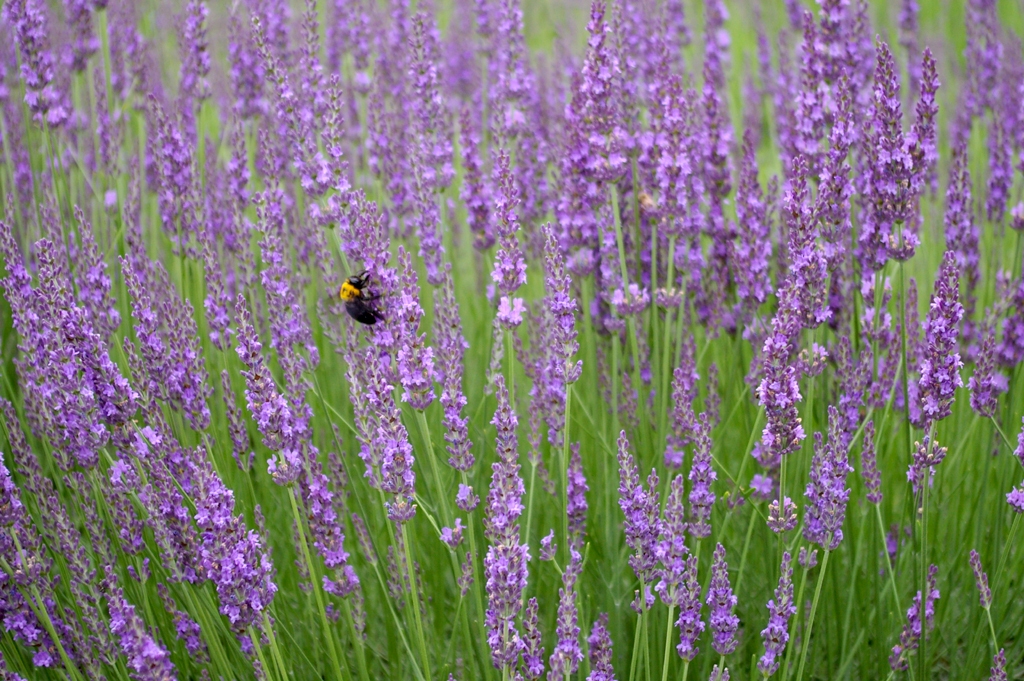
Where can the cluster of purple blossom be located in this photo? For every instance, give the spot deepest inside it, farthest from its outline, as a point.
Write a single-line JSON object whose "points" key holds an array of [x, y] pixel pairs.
{"points": [[161, 229]]}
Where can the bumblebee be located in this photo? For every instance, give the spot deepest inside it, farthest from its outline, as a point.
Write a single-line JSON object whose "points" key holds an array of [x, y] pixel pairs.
{"points": [[358, 303]]}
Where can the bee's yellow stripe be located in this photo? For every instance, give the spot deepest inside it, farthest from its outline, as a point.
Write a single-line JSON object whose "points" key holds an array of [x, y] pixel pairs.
{"points": [[348, 292]]}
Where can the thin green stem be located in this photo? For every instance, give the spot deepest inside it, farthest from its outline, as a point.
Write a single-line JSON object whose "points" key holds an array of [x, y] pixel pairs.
{"points": [[415, 602], [814, 609], [336, 661], [669, 627]]}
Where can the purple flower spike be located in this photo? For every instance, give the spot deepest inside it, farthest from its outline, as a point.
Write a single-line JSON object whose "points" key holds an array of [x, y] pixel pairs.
{"points": [[918, 623], [927, 455], [719, 674], [722, 602], [826, 492], [672, 549], [533, 654], [998, 667], [509, 264], [689, 622], [577, 500], [44, 99], [982, 580], [940, 365], [600, 644], [869, 464], [505, 566], [702, 475], [776, 634], [146, 657], [642, 524], [566, 657], [1019, 451]]}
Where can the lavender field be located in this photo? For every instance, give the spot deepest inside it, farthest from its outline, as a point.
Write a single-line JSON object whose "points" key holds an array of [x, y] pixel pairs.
{"points": [[640, 340]]}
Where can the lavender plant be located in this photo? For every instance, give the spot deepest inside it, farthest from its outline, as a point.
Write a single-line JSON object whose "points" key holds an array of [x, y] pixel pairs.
{"points": [[649, 389]]}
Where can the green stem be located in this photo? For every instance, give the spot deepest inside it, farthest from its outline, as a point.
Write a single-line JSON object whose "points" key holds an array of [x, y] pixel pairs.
{"points": [[274, 649], [259, 652], [415, 601], [565, 473], [39, 608], [332, 650], [814, 609], [793, 625], [668, 643], [888, 561]]}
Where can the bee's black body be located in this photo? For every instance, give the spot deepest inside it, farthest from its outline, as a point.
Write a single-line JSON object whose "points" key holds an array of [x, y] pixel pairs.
{"points": [[358, 303]]}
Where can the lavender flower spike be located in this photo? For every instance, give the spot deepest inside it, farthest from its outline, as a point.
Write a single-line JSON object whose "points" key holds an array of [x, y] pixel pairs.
{"points": [[776, 634], [869, 464], [998, 666], [702, 476], [827, 493], [916, 627], [509, 265], [940, 365], [689, 622], [642, 525], [505, 566], [146, 657], [982, 580], [722, 602], [566, 657], [600, 644]]}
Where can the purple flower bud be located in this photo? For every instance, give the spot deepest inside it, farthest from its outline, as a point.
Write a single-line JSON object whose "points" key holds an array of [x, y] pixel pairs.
{"points": [[981, 579], [808, 560], [762, 487], [466, 499], [505, 566], [548, 547], [998, 667], [452, 536], [782, 518]]}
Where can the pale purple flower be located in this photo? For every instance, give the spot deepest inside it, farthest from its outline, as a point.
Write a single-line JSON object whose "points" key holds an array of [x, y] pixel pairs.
{"points": [[509, 271], [576, 508]]}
